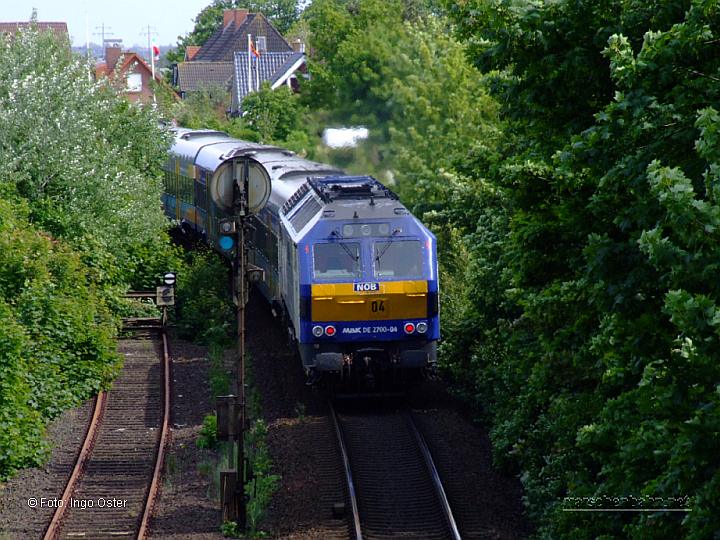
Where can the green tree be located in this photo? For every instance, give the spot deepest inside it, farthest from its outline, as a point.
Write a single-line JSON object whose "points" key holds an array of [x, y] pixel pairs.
{"points": [[89, 168], [56, 343], [598, 383], [350, 44], [80, 221], [272, 114]]}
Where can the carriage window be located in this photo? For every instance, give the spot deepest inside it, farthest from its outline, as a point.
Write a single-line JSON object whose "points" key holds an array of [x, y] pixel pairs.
{"points": [[398, 259], [336, 260]]}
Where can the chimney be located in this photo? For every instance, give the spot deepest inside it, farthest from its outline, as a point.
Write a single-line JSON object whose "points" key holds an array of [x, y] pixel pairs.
{"points": [[112, 55], [237, 16], [298, 46]]}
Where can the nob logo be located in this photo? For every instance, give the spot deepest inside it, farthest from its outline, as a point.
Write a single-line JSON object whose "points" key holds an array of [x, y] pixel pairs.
{"points": [[366, 287]]}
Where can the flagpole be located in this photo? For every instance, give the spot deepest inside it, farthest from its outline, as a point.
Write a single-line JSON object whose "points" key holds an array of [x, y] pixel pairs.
{"points": [[249, 85]]}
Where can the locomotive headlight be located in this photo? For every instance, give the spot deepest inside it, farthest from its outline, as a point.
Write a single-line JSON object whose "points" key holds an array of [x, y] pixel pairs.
{"points": [[330, 330], [317, 331], [421, 327], [409, 328]]}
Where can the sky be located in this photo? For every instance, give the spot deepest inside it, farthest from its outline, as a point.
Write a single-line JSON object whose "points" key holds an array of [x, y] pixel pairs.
{"points": [[126, 19]]}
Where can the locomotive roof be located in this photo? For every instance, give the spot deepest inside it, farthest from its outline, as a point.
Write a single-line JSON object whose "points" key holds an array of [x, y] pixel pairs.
{"points": [[294, 180]]}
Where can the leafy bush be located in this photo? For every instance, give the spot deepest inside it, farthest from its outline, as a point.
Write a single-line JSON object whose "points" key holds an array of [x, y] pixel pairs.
{"points": [[263, 484], [80, 222], [57, 345], [208, 437], [204, 309], [597, 354]]}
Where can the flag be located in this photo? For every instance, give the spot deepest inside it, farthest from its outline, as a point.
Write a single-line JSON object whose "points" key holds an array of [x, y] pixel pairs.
{"points": [[254, 50], [155, 50]]}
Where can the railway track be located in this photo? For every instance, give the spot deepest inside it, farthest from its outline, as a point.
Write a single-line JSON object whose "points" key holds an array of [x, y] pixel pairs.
{"points": [[394, 489], [116, 478]]}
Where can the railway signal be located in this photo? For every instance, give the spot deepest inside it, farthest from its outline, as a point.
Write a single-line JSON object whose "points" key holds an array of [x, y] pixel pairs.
{"points": [[227, 234], [250, 192], [169, 278]]}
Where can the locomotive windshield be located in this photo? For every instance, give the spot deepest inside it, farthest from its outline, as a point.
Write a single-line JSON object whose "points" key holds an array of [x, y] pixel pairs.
{"points": [[398, 259], [336, 260]]}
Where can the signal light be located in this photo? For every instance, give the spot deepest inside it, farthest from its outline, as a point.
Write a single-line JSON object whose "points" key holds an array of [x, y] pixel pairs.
{"points": [[330, 330], [317, 331], [421, 327], [226, 243], [226, 239], [409, 328]]}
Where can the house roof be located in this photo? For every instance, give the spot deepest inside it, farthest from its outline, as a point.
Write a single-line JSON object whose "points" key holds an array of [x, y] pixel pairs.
{"points": [[272, 67], [127, 58], [229, 38], [191, 51], [60, 28], [192, 76]]}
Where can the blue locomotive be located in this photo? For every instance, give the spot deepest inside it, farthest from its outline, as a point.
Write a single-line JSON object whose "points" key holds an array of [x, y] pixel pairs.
{"points": [[353, 273]]}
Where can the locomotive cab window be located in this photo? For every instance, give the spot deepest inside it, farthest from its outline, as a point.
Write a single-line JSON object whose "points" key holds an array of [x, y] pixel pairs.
{"points": [[398, 259], [336, 260]]}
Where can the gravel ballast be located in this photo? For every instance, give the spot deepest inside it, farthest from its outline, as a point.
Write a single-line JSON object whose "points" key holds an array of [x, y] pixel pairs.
{"points": [[20, 521]]}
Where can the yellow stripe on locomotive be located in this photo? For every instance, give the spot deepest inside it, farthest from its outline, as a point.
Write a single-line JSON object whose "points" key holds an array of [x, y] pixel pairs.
{"points": [[393, 300]]}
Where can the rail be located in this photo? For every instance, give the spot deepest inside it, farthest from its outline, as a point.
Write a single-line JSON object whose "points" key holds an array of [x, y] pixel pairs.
{"points": [[393, 484], [62, 520], [439, 489], [348, 474]]}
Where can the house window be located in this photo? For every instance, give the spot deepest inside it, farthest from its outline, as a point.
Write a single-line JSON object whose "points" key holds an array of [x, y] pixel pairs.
{"points": [[261, 44], [134, 82]]}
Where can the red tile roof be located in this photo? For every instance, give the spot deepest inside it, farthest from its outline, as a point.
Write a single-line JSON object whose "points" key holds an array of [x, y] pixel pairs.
{"points": [[191, 51], [60, 28], [127, 58]]}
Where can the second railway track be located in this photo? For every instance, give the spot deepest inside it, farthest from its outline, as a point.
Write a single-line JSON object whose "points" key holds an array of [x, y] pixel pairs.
{"points": [[394, 488], [116, 479]]}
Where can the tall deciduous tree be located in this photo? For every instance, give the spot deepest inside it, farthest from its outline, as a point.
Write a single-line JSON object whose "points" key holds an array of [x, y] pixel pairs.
{"points": [[80, 221], [606, 335]]}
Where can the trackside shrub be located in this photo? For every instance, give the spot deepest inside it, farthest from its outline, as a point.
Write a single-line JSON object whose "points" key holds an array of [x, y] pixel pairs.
{"points": [[204, 309], [80, 223], [57, 343]]}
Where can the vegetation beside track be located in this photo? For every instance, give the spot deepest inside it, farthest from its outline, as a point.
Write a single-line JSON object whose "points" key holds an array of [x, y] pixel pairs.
{"points": [[78, 165], [205, 314], [566, 155], [575, 194]]}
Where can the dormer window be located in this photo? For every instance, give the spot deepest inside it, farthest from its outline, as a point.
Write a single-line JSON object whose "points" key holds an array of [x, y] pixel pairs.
{"points": [[261, 44]]}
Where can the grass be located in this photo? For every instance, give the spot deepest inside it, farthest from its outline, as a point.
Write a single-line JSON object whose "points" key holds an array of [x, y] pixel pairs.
{"points": [[261, 484]]}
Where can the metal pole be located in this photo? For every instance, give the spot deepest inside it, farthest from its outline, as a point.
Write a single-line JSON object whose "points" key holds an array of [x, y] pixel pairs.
{"points": [[241, 278]]}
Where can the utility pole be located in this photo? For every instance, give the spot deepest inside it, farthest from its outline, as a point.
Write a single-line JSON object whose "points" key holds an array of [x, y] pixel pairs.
{"points": [[149, 31], [104, 30]]}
